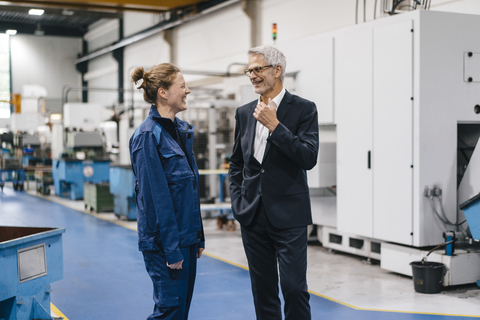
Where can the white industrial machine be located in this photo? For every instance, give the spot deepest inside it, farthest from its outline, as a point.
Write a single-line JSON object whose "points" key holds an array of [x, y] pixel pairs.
{"points": [[407, 112], [87, 116], [80, 130]]}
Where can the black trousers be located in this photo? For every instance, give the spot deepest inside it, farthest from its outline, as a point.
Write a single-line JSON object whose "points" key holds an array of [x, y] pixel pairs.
{"points": [[266, 245]]}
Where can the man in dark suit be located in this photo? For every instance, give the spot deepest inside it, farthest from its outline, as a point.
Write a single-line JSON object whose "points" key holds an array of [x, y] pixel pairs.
{"points": [[276, 141]]}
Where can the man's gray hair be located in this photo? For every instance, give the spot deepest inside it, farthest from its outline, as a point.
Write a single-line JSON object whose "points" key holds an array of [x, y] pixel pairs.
{"points": [[272, 56]]}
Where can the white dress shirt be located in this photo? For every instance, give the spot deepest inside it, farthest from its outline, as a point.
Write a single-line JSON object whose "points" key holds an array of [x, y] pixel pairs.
{"points": [[261, 132]]}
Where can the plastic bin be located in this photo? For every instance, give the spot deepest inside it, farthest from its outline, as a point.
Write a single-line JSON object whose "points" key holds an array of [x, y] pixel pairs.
{"points": [[427, 276]]}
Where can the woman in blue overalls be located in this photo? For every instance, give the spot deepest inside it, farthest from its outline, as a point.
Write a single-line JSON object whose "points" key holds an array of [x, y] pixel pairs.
{"points": [[170, 231]]}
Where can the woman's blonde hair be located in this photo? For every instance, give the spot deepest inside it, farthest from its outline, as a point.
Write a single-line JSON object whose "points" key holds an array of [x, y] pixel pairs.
{"points": [[160, 76]]}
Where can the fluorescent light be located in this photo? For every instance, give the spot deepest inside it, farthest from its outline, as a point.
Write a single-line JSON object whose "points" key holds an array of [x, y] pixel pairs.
{"points": [[11, 32], [55, 117], [36, 12]]}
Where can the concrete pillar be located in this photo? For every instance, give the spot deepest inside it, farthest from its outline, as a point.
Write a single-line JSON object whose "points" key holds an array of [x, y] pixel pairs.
{"points": [[253, 9], [168, 37]]}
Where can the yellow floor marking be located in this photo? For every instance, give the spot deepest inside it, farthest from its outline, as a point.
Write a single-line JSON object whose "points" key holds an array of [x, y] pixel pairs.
{"points": [[246, 268], [225, 260], [57, 312]]}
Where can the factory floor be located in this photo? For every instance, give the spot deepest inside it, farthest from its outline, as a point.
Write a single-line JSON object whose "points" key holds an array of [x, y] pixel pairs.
{"points": [[104, 275]]}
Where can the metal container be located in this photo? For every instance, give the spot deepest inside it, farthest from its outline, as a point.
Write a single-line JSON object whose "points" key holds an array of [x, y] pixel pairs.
{"points": [[30, 259], [97, 196], [121, 186], [11, 164], [43, 180]]}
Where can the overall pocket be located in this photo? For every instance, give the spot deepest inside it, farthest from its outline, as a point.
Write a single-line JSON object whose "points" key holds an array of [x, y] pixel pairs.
{"points": [[165, 286]]}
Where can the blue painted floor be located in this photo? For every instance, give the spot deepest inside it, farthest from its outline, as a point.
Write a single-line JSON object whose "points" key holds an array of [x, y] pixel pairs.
{"points": [[105, 278]]}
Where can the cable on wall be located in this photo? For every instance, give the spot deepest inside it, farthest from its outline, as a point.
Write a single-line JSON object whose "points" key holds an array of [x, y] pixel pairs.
{"points": [[443, 216], [425, 4]]}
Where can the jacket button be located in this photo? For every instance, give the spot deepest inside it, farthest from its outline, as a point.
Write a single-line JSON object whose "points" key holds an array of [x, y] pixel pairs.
{"points": [[262, 170]]}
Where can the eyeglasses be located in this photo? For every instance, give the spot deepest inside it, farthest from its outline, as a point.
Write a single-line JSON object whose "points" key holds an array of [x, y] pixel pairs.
{"points": [[256, 70]]}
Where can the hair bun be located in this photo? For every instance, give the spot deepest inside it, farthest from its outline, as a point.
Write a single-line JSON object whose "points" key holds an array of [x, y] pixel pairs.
{"points": [[138, 74]]}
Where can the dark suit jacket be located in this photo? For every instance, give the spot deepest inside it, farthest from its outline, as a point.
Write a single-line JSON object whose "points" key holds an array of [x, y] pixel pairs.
{"points": [[281, 180]]}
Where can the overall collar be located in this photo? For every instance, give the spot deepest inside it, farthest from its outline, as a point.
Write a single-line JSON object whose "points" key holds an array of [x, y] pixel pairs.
{"points": [[180, 124]]}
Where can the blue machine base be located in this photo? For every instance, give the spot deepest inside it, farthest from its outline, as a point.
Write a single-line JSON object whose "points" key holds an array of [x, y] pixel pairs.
{"points": [[69, 175]]}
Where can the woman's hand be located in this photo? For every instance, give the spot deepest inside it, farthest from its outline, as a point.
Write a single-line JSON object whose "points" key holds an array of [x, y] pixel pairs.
{"points": [[199, 252], [177, 265]]}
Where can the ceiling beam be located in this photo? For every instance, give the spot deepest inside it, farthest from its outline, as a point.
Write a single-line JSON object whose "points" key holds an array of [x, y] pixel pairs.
{"points": [[27, 28], [57, 11], [155, 6]]}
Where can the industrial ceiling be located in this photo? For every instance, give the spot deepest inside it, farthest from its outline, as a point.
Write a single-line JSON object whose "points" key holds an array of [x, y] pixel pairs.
{"points": [[72, 17]]}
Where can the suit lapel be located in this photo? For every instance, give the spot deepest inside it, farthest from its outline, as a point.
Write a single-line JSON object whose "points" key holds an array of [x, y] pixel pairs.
{"points": [[281, 112], [284, 106]]}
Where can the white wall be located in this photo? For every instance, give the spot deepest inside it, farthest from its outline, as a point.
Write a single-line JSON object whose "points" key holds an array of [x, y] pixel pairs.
{"points": [[102, 33], [106, 78], [4, 123], [134, 22], [145, 53], [102, 71], [215, 41], [46, 61], [300, 18], [464, 6]]}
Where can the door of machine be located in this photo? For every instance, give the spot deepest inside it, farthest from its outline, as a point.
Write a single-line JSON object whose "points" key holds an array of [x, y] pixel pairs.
{"points": [[353, 115], [392, 157]]}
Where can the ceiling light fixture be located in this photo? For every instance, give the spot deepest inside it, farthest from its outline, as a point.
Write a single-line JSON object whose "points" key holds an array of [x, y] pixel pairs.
{"points": [[11, 32], [36, 12], [55, 117]]}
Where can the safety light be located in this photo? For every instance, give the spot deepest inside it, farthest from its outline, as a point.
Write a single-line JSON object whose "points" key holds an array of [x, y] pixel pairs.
{"points": [[274, 31], [11, 32]]}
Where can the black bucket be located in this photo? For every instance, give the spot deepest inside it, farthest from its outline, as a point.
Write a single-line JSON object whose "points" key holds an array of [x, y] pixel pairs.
{"points": [[427, 276]]}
